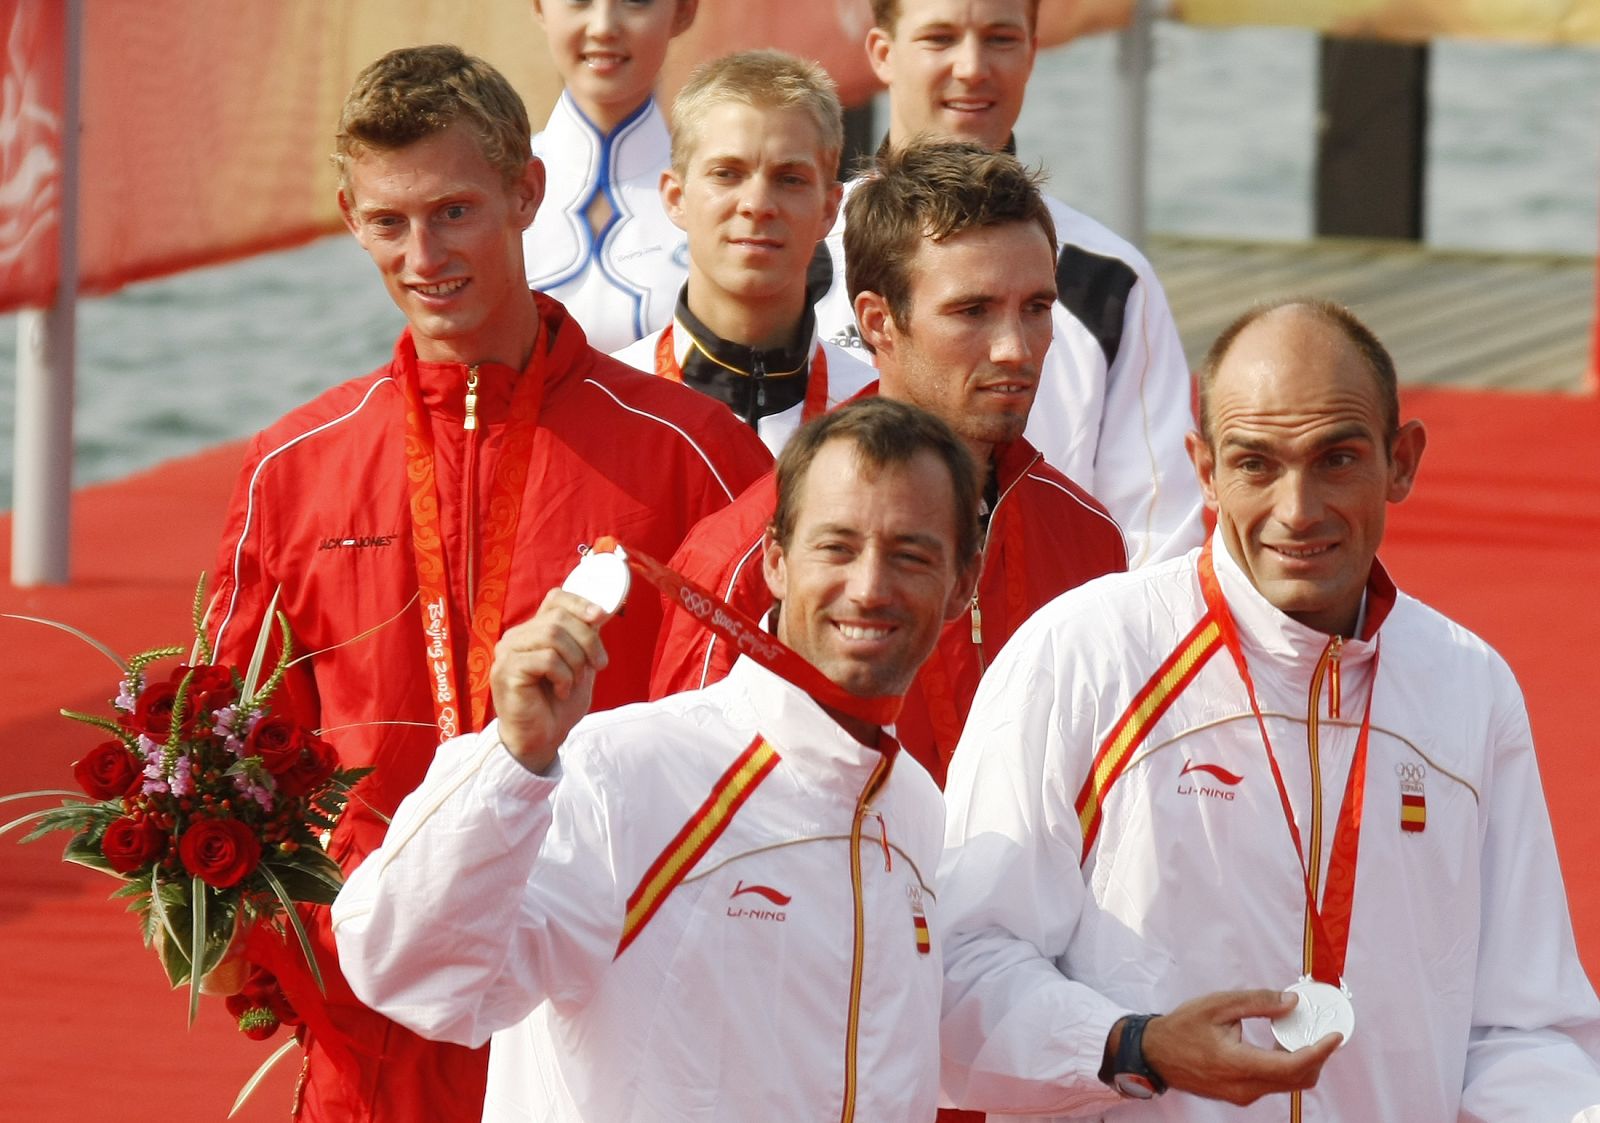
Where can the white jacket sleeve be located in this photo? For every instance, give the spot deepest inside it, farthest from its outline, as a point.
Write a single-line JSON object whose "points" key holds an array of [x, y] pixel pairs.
{"points": [[1016, 1035], [1142, 472], [1536, 1022], [493, 891]]}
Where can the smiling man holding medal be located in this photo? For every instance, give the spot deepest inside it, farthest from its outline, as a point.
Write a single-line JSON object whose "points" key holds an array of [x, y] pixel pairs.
{"points": [[401, 519], [715, 906], [1261, 766]]}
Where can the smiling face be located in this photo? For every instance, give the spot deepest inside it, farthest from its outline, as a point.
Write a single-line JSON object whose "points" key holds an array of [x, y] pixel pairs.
{"points": [[869, 574], [955, 68], [756, 196], [445, 232], [976, 330], [1298, 468], [609, 52]]}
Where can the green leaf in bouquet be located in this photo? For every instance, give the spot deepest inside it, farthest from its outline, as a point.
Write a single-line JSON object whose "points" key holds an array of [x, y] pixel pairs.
{"points": [[72, 815], [258, 657], [197, 930], [115, 728], [85, 850], [165, 900], [68, 628], [260, 1074], [201, 651], [308, 875], [294, 919], [139, 662]]}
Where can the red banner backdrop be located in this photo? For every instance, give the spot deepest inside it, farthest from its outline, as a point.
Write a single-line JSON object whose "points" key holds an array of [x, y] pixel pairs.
{"points": [[32, 90], [206, 126]]}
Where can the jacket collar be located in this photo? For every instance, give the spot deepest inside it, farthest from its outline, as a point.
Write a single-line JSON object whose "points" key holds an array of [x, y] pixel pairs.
{"points": [[815, 747], [730, 372], [585, 161], [1265, 629], [444, 385]]}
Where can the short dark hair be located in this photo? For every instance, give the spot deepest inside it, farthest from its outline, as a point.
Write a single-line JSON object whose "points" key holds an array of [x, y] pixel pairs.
{"points": [[414, 92], [1336, 316], [885, 432], [933, 190], [886, 13]]}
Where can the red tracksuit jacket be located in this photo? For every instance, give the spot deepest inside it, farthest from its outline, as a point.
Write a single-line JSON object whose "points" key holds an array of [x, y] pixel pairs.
{"points": [[322, 510]]}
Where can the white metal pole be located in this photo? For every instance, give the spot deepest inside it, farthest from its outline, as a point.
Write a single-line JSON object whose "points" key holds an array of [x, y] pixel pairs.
{"points": [[41, 525], [1129, 123]]}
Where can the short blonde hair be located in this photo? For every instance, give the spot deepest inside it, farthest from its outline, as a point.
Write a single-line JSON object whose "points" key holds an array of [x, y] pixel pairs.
{"points": [[414, 92], [763, 79]]}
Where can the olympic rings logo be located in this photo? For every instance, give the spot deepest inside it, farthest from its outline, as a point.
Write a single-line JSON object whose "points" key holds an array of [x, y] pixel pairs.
{"points": [[697, 603], [1411, 773]]}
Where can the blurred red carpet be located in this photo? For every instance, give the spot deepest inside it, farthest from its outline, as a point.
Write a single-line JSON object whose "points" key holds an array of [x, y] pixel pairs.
{"points": [[1503, 534]]}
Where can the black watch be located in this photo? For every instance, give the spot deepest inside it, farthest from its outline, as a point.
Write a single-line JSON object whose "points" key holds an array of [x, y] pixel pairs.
{"points": [[1126, 1069]]}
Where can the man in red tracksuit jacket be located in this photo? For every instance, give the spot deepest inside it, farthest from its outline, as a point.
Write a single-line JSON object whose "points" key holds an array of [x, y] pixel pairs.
{"points": [[403, 519], [950, 255]]}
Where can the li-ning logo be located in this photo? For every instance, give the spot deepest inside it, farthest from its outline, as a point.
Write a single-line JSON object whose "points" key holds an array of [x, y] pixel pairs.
{"points": [[739, 912], [1198, 787], [355, 542]]}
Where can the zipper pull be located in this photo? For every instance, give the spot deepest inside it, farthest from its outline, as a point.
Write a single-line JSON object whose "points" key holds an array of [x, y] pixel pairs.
{"points": [[1334, 700], [471, 420], [977, 621], [883, 837]]}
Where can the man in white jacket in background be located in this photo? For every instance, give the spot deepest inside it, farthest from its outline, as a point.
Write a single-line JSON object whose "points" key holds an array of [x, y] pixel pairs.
{"points": [[1113, 401], [719, 902], [1251, 827]]}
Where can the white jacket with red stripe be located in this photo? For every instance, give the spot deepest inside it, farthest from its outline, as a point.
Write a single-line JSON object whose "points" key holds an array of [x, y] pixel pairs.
{"points": [[767, 985], [1470, 1001]]}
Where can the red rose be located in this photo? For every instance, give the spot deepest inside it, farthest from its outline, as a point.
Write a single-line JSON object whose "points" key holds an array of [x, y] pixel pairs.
{"points": [[210, 689], [220, 852], [129, 843], [278, 742], [152, 712], [317, 763], [109, 770]]}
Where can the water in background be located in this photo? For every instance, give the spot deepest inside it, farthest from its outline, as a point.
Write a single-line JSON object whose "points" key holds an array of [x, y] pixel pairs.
{"points": [[171, 366]]}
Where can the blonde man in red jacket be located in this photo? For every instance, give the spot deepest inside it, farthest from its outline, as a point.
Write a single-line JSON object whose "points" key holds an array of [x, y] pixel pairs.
{"points": [[951, 270], [403, 519]]}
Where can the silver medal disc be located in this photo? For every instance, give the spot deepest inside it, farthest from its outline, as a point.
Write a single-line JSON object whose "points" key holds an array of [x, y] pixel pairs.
{"points": [[601, 579], [1322, 1009]]}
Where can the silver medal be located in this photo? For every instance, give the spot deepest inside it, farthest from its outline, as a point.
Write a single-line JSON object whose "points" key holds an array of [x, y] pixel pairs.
{"points": [[1321, 1010], [601, 579]]}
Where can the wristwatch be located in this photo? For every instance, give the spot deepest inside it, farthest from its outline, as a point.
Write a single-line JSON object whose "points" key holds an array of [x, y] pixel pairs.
{"points": [[1125, 1068]]}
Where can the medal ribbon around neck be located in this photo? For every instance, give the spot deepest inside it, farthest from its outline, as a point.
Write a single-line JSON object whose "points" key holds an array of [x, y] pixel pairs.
{"points": [[816, 403], [1330, 922], [497, 533], [747, 638]]}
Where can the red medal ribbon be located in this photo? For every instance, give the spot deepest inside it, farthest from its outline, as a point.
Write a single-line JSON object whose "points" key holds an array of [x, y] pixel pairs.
{"points": [[746, 637], [496, 546], [816, 403], [1330, 923]]}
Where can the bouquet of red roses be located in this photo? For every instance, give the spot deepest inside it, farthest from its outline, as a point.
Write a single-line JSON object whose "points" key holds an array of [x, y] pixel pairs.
{"points": [[210, 807]]}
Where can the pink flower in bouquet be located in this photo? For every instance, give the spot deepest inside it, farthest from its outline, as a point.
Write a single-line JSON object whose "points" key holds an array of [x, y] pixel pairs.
{"points": [[316, 766], [109, 770], [130, 842], [220, 852]]}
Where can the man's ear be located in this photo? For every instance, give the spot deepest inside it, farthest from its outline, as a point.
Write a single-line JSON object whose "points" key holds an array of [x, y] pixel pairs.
{"points": [[1204, 459], [875, 321], [773, 566], [671, 189], [880, 45], [834, 199], [1405, 459], [966, 584], [347, 211], [528, 192]]}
